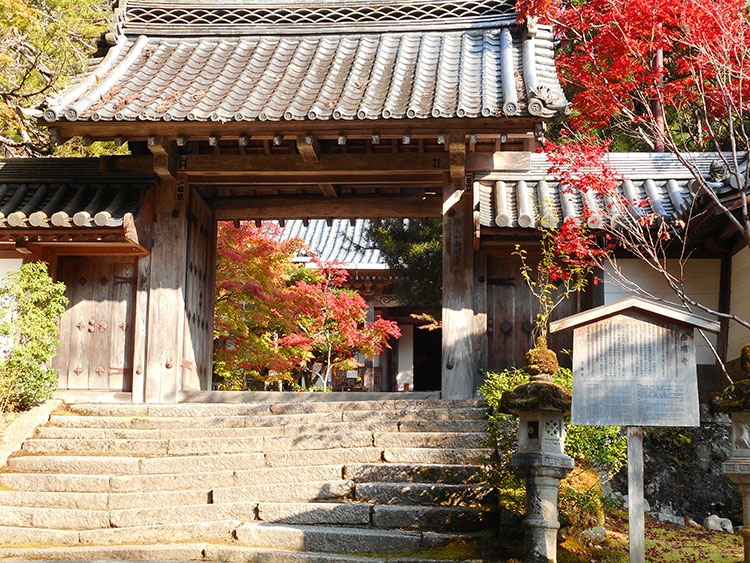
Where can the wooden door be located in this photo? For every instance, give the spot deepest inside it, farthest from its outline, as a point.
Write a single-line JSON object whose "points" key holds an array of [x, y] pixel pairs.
{"points": [[96, 331], [511, 312]]}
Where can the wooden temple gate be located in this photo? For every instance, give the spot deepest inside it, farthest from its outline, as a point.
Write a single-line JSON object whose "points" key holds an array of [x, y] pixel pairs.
{"points": [[371, 110]]}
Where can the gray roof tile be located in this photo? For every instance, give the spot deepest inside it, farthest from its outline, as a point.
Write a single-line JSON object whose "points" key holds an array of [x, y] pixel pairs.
{"points": [[474, 72]]}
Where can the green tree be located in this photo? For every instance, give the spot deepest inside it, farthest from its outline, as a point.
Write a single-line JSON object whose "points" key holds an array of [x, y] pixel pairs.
{"points": [[31, 308], [413, 250], [43, 44]]}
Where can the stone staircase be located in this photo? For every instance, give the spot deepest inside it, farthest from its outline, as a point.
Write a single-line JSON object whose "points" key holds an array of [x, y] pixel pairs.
{"points": [[298, 482]]}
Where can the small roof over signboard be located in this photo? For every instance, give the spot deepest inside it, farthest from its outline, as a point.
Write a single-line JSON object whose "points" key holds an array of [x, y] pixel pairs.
{"points": [[654, 308]]}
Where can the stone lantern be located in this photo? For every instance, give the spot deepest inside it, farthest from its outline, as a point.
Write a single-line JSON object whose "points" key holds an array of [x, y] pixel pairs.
{"points": [[541, 406], [737, 468]]}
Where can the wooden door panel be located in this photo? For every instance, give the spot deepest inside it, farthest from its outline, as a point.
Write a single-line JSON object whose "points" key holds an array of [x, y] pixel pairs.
{"points": [[95, 352]]}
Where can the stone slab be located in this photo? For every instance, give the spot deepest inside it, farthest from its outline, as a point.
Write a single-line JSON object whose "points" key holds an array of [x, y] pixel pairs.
{"points": [[114, 447], [141, 499], [47, 499], [315, 513], [218, 409], [171, 481], [309, 441], [54, 518], [442, 426], [211, 446], [266, 475], [191, 532], [456, 440], [422, 493], [23, 427], [108, 409], [200, 464], [168, 552], [322, 538], [242, 554], [454, 456], [182, 514], [293, 397], [289, 492], [80, 421], [440, 518], [23, 535], [99, 465], [323, 457], [399, 473], [55, 482]]}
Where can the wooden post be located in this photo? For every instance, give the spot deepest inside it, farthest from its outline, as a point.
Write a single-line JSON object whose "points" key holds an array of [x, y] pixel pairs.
{"points": [[636, 530], [458, 358], [166, 306], [140, 329]]}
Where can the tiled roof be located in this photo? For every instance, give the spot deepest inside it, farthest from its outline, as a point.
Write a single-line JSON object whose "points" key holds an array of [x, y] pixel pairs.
{"points": [[37, 193], [341, 242], [655, 182], [169, 65]]}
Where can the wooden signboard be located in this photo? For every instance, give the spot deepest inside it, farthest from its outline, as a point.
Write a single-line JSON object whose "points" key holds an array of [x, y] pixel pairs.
{"points": [[634, 366]]}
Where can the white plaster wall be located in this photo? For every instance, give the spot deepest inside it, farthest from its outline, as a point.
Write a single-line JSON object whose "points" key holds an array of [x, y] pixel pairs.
{"points": [[7, 265], [739, 303], [701, 277], [405, 358]]}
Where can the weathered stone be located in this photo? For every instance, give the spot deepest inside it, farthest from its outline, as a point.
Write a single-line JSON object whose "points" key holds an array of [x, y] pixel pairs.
{"points": [[172, 422], [171, 481], [411, 404], [75, 433], [25, 535], [194, 531], [289, 492], [294, 419], [98, 465], [718, 524], [456, 440], [116, 447], [423, 493], [597, 534], [54, 499], [323, 457], [442, 426], [22, 428], [141, 499], [441, 518], [108, 409], [317, 442], [455, 456], [183, 514], [242, 554], [211, 446], [54, 482], [400, 473], [190, 410], [80, 421], [174, 552], [321, 538], [266, 475], [314, 513], [201, 464], [305, 408], [53, 518]]}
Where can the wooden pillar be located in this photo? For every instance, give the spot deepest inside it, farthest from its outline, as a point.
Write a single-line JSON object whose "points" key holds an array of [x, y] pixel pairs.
{"points": [[458, 360], [166, 292]]}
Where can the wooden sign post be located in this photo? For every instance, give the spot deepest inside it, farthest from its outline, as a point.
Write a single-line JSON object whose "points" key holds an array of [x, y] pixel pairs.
{"points": [[634, 366]]}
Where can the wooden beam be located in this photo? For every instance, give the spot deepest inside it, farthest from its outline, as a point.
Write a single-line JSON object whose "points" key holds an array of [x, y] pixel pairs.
{"points": [[457, 148], [165, 157], [308, 148], [498, 161], [328, 191], [298, 178], [291, 207], [343, 164]]}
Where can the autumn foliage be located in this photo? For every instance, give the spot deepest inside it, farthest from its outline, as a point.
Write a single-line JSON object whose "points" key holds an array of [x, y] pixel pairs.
{"points": [[279, 321]]}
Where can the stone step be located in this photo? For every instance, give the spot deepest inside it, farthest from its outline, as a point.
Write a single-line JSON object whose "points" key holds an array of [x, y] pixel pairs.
{"points": [[424, 494], [441, 426], [97, 433], [315, 513], [48, 499], [252, 409], [336, 539], [454, 456], [20, 536], [307, 491], [55, 518], [190, 552], [221, 530], [134, 517], [438, 518], [81, 420], [60, 482], [460, 440], [416, 473]]}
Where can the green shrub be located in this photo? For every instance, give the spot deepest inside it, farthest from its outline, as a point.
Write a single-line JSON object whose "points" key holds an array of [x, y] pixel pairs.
{"points": [[602, 448], [31, 308]]}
